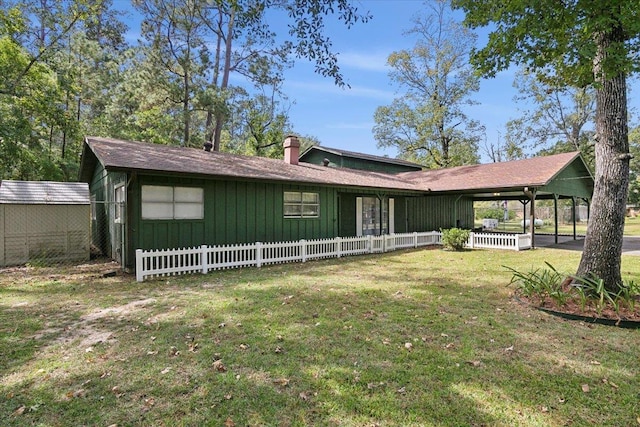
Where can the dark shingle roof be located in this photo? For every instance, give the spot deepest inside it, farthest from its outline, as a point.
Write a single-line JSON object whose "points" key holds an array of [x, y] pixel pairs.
{"points": [[138, 156], [533, 172], [44, 193]]}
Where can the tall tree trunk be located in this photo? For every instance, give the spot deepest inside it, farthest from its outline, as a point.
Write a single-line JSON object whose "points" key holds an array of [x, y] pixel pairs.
{"points": [[602, 253], [219, 116], [185, 111], [214, 80]]}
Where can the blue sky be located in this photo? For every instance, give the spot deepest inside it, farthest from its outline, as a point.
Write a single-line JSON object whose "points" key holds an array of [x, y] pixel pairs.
{"points": [[343, 117]]}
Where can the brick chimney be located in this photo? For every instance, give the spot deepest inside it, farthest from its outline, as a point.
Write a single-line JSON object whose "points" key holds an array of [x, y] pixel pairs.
{"points": [[291, 150]]}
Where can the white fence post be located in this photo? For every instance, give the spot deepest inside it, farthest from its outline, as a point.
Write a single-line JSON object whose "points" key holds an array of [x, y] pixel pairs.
{"points": [[204, 262], [139, 266], [415, 239], [338, 247], [370, 243], [258, 254], [303, 250], [471, 240]]}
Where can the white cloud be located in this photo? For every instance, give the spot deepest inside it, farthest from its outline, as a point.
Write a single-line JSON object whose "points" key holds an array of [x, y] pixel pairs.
{"points": [[373, 61], [312, 88]]}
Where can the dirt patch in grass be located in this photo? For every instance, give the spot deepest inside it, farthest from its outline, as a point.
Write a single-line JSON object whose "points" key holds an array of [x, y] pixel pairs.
{"points": [[91, 331]]}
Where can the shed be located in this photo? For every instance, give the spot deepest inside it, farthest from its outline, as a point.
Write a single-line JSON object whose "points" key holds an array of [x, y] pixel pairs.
{"points": [[45, 221]]}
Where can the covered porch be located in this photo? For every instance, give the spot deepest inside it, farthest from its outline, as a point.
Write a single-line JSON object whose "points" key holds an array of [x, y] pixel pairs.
{"points": [[558, 177]]}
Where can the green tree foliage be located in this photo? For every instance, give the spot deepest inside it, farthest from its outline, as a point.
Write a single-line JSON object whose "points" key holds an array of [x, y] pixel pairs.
{"points": [[580, 43], [54, 72], [66, 71], [29, 109], [560, 119], [427, 124], [201, 44]]}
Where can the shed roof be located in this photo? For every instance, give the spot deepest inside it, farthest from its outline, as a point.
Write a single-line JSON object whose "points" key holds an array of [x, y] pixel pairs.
{"points": [[118, 155], [44, 193]]}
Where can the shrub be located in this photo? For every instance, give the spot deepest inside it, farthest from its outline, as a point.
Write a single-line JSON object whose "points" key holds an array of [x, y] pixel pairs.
{"points": [[455, 238], [494, 213]]}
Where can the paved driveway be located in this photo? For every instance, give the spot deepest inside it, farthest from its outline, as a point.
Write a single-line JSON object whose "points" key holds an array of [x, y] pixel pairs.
{"points": [[630, 244]]}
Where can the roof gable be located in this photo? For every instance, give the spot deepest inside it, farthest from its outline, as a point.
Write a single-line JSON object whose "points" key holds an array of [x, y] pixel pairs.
{"points": [[533, 172], [44, 193]]}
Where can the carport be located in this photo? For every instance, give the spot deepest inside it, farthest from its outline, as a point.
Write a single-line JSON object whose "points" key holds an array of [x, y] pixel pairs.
{"points": [[555, 177]]}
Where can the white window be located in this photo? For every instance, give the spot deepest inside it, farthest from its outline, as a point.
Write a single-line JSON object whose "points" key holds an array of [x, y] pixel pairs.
{"points": [[298, 204], [164, 202], [119, 197]]}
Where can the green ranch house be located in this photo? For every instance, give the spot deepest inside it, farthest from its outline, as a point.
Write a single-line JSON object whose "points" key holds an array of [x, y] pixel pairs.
{"points": [[150, 196]]}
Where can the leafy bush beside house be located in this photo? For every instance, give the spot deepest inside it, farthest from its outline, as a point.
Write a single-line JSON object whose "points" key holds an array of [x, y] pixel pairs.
{"points": [[455, 238]]}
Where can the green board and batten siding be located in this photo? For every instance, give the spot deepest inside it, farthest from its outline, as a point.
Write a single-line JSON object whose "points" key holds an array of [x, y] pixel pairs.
{"points": [[574, 180], [235, 212], [249, 211], [434, 212]]}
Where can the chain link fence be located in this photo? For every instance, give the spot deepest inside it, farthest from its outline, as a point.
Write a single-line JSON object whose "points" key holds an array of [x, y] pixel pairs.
{"points": [[44, 235]]}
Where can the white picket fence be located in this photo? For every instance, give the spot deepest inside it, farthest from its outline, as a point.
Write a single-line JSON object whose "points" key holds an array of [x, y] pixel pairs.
{"points": [[205, 258]]}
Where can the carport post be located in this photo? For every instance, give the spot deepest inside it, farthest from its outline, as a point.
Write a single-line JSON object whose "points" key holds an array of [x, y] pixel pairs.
{"points": [[532, 196], [555, 208], [524, 215], [573, 216]]}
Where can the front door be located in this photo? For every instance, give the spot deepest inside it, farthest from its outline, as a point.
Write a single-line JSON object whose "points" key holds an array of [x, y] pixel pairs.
{"points": [[374, 216]]}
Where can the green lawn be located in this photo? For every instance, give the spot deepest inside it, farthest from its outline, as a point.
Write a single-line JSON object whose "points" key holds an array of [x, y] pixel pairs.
{"points": [[410, 338]]}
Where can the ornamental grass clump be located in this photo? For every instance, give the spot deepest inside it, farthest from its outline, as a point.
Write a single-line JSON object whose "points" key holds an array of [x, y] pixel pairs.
{"points": [[548, 287]]}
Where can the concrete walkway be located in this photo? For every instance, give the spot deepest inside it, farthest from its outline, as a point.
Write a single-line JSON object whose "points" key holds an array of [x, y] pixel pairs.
{"points": [[630, 244]]}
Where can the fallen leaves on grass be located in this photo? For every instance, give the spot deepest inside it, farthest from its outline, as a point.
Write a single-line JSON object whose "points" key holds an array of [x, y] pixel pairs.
{"points": [[283, 382], [219, 366], [19, 411], [116, 391], [585, 388], [149, 402]]}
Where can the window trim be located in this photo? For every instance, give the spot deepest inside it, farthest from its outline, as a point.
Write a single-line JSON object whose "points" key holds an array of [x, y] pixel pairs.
{"points": [[119, 203], [173, 203], [301, 204]]}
